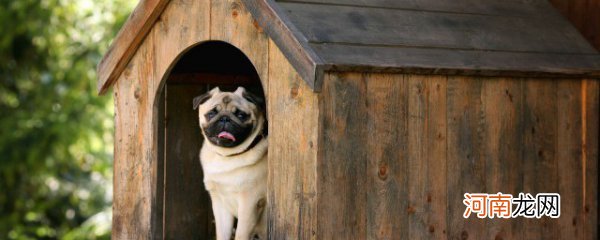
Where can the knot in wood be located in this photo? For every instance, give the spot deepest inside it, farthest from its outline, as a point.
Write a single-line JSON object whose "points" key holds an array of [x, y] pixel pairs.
{"points": [[464, 235], [294, 91], [137, 93], [383, 171], [410, 210]]}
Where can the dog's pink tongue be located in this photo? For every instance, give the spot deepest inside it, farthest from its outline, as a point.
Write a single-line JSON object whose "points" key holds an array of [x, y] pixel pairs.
{"points": [[226, 135]]}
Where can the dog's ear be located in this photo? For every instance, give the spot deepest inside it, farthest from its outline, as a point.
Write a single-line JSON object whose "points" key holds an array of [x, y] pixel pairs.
{"points": [[201, 99], [258, 101]]}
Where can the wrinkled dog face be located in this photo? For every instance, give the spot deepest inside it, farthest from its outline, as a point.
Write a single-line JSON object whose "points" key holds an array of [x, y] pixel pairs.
{"points": [[228, 118]]}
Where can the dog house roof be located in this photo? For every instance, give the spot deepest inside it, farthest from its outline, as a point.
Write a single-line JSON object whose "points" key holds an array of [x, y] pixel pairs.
{"points": [[474, 37]]}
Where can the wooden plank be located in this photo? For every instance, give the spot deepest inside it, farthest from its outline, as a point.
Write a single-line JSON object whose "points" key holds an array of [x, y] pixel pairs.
{"points": [[145, 94], [182, 25], [292, 111], [135, 163], [465, 163], [540, 162], [427, 157], [122, 183], [502, 146], [127, 41], [343, 158], [394, 27], [436, 151], [158, 180], [590, 128], [569, 155], [187, 208], [455, 62], [489, 7], [289, 39], [387, 145]]}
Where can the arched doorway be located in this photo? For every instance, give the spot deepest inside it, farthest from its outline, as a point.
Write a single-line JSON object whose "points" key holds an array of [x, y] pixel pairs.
{"points": [[187, 212]]}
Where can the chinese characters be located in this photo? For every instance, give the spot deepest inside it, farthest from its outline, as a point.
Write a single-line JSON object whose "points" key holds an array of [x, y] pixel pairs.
{"points": [[506, 206]]}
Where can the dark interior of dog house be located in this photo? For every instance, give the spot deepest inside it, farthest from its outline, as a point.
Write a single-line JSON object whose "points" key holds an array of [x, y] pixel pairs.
{"points": [[187, 212]]}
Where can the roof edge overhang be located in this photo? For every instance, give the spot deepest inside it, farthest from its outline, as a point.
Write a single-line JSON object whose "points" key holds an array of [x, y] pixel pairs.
{"points": [[312, 67], [290, 41], [127, 42], [306, 56]]}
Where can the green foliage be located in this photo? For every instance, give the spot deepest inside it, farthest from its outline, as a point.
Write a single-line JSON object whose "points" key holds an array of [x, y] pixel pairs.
{"points": [[55, 132]]}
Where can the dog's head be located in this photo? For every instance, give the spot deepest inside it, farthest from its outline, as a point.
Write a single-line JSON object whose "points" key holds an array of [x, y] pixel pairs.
{"points": [[227, 119]]}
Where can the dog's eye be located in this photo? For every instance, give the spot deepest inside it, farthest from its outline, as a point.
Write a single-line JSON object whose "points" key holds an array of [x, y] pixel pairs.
{"points": [[211, 114], [241, 115]]}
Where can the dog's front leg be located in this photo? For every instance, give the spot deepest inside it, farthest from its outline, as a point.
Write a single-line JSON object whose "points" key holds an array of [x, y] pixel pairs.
{"points": [[223, 220], [247, 218]]}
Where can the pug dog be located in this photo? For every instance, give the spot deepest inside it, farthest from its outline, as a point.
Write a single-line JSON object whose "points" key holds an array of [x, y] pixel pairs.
{"points": [[234, 160]]}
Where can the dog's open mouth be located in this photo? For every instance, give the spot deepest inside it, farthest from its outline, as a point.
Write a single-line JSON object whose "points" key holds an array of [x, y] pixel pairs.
{"points": [[226, 135]]}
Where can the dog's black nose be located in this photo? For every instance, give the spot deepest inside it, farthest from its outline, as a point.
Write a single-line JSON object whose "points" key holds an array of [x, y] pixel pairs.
{"points": [[224, 119]]}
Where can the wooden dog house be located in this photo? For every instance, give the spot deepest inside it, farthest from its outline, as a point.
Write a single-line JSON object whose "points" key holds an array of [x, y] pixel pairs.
{"points": [[382, 114]]}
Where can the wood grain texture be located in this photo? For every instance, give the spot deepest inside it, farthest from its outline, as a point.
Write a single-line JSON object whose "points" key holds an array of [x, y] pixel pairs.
{"points": [[182, 25], [293, 111], [583, 14], [590, 129], [427, 157], [187, 211], [158, 181], [387, 165], [417, 60], [570, 160], [135, 164], [343, 158], [482, 7], [127, 41], [232, 23], [390, 27], [502, 145], [465, 164], [451, 135], [289, 39], [540, 161]]}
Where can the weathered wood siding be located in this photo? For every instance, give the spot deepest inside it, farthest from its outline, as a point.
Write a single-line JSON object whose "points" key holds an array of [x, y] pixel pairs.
{"points": [[397, 153], [293, 134], [145, 205], [137, 190]]}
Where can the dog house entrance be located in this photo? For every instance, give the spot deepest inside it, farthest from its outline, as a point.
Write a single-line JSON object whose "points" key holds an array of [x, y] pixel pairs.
{"points": [[183, 208]]}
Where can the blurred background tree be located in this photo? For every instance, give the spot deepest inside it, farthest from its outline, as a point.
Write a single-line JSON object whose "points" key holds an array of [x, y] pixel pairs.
{"points": [[55, 132]]}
